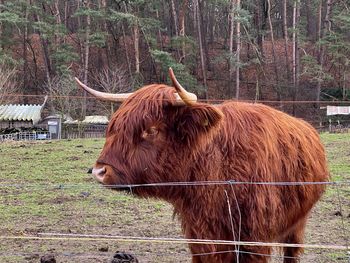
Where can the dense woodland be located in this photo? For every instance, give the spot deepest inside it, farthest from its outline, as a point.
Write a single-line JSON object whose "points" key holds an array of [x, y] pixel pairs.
{"points": [[286, 50]]}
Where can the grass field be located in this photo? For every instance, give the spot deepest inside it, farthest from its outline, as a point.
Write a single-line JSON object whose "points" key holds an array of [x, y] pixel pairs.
{"points": [[44, 188]]}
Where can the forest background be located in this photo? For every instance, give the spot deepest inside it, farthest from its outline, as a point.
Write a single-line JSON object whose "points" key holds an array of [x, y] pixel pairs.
{"points": [[258, 50]]}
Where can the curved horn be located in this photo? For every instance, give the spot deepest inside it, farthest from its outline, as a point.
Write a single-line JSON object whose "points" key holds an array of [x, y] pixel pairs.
{"points": [[103, 95], [183, 96]]}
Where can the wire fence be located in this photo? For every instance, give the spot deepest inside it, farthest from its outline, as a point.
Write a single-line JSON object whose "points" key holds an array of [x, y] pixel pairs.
{"points": [[154, 256], [314, 112], [168, 184], [90, 237], [211, 100], [69, 237], [25, 136]]}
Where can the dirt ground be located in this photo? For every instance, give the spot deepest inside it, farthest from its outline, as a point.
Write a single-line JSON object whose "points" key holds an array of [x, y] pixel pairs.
{"points": [[44, 189]]}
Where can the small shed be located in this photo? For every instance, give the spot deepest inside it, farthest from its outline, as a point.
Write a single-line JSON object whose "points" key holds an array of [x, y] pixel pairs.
{"points": [[339, 118], [96, 119], [338, 110], [22, 122], [18, 116], [91, 127], [53, 124]]}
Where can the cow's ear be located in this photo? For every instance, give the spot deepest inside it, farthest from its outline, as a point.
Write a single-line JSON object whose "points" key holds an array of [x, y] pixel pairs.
{"points": [[197, 122]]}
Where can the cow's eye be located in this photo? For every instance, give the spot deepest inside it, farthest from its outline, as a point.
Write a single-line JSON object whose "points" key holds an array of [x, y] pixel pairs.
{"points": [[150, 132]]}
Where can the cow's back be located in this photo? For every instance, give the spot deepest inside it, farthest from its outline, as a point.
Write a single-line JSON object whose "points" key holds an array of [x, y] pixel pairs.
{"points": [[261, 144]]}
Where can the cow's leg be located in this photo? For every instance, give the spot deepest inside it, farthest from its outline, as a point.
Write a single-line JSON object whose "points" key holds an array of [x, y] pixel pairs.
{"points": [[255, 254], [292, 254], [201, 253], [212, 253], [196, 259]]}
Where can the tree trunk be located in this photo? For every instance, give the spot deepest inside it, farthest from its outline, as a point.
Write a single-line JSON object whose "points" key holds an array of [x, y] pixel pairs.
{"points": [[238, 48], [310, 20], [35, 77], [278, 89], [58, 40], [320, 51], [327, 20], [212, 23], [173, 10], [296, 14], [57, 12], [285, 34], [203, 27], [260, 18], [230, 65], [1, 26], [322, 29], [231, 34], [297, 58], [319, 21], [201, 51], [86, 54], [45, 49], [80, 45], [105, 29], [126, 52], [182, 27], [136, 31], [126, 46], [25, 58], [159, 32], [66, 14], [344, 85]]}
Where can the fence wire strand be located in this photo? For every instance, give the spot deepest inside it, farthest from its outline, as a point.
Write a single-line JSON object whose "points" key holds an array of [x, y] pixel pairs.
{"points": [[168, 184], [212, 100], [146, 256], [91, 237]]}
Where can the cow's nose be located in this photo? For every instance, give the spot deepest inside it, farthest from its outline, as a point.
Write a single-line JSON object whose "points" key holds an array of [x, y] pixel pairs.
{"points": [[99, 173]]}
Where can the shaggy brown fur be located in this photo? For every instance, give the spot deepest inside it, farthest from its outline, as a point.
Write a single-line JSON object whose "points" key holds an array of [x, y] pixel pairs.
{"points": [[150, 140]]}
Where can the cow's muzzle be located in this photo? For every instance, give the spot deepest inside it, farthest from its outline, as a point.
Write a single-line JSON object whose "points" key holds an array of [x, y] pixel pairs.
{"points": [[99, 173], [104, 174]]}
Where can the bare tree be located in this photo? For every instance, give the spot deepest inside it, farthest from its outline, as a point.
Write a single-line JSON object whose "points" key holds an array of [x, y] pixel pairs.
{"points": [[8, 84], [61, 91], [113, 81]]}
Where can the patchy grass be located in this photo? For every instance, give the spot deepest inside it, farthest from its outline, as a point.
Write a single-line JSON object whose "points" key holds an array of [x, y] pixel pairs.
{"points": [[338, 153], [44, 188]]}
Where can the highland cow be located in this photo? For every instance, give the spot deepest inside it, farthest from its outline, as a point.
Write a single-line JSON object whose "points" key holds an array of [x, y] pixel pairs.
{"points": [[161, 134]]}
